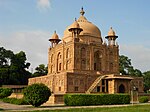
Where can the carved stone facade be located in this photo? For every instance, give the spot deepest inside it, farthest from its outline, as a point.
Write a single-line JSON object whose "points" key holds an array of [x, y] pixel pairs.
{"points": [[83, 63]]}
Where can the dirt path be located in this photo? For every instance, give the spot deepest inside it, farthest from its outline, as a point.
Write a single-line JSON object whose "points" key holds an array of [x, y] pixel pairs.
{"points": [[7, 106], [11, 107]]}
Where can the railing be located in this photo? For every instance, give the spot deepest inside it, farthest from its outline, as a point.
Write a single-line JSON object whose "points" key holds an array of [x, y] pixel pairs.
{"points": [[95, 83]]}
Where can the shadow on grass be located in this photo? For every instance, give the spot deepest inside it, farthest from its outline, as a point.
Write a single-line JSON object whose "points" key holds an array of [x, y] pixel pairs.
{"points": [[1, 109]]}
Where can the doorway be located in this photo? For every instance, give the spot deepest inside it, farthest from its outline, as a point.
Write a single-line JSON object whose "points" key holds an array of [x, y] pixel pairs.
{"points": [[98, 88], [121, 89]]}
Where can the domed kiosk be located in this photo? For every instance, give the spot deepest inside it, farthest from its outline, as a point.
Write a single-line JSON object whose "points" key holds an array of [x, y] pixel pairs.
{"points": [[83, 63]]}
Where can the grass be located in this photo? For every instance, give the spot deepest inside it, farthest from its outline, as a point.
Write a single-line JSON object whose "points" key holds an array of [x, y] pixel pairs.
{"points": [[15, 101], [137, 108]]}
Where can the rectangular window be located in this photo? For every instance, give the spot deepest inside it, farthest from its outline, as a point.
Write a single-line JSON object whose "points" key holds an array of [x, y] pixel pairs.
{"points": [[94, 66], [59, 88], [76, 89], [59, 99]]}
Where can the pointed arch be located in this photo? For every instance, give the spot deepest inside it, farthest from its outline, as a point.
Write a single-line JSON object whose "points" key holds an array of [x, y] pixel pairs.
{"points": [[67, 65], [97, 60], [51, 68], [121, 88], [59, 66], [67, 53], [51, 58], [83, 58]]}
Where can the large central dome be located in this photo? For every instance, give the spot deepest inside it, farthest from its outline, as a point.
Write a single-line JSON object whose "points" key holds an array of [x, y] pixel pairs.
{"points": [[89, 29]]}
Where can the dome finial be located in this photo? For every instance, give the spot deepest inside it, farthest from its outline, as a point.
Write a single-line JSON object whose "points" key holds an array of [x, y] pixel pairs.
{"points": [[75, 19], [82, 11]]}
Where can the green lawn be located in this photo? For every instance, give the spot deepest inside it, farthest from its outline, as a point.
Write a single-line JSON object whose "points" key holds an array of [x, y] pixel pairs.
{"points": [[137, 108]]}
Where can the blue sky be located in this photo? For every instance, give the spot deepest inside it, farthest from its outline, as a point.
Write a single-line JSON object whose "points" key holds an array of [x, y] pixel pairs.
{"points": [[28, 24]]}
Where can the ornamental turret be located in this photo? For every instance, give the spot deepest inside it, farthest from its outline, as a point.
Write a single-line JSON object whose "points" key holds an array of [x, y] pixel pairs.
{"points": [[111, 37], [54, 39], [75, 29]]}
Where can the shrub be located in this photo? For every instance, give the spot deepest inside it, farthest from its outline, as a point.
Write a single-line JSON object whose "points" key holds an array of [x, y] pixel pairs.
{"points": [[37, 94], [143, 99], [15, 101], [96, 99], [5, 92]]}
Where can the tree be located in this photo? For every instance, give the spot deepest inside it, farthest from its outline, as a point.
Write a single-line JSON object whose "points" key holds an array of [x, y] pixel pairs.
{"points": [[13, 67], [37, 94], [41, 70], [126, 68], [124, 64], [146, 76], [138, 73], [19, 60], [18, 68], [5, 57], [4, 75]]}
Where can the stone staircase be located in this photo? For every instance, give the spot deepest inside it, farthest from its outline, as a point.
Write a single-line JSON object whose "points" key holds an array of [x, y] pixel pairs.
{"points": [[95, 83]]}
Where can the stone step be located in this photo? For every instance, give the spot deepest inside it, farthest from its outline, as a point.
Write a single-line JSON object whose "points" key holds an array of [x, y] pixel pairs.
{"points": [[95, 83]]}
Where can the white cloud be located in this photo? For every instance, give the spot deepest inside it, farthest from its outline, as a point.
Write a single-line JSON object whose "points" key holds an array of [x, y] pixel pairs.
{"points": [[139, 55], [34, 43], [43, 5]]}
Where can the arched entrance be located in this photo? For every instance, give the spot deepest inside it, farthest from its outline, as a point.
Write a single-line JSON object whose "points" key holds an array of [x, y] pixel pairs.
{"points": [[121, 89]]}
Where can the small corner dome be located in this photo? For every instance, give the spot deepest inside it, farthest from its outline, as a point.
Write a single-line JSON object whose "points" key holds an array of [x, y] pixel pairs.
{"points": [[111, 32], [75, 24], [55, 36]]}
